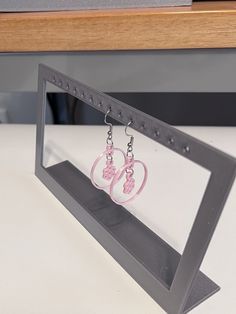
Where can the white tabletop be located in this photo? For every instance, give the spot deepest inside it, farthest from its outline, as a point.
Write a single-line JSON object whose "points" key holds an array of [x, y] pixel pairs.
{"points": [[49, 264]]}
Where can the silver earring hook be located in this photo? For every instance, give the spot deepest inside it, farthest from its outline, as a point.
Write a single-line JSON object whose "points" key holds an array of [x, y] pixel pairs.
{"points": [[109, 133], [105, 119], [131, 142], [126, 128], [128, 134]]}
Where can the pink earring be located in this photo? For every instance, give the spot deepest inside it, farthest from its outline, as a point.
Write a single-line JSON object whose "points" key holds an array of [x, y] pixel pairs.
{"points": [[128, 170], [109, 170]]}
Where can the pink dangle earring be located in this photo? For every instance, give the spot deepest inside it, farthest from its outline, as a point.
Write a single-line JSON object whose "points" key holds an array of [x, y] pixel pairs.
{"points": [[130, 186], [109, 169]]}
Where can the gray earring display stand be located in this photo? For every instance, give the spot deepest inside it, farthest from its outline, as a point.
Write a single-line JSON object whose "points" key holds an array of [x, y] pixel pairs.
{"points": [[172, 280]]}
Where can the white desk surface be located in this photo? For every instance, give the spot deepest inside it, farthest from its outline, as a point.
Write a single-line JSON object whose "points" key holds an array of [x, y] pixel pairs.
{"points": [[49, 264]]}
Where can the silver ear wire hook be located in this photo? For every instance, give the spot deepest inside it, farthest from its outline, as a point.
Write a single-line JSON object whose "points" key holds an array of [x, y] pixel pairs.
{"points": [[109, 138], [105, 118], [131, 142], [130, 135]]}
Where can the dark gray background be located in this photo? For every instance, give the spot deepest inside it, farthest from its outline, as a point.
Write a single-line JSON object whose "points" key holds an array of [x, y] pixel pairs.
{"points": [[39, 5]]}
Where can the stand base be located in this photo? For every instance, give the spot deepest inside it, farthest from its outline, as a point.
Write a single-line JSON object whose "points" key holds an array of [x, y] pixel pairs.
{"points": [[144, 255]]}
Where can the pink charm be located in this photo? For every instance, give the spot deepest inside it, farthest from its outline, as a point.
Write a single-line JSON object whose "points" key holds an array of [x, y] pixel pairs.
{"points": [[109, 150], [129, 184], [109, 171]]}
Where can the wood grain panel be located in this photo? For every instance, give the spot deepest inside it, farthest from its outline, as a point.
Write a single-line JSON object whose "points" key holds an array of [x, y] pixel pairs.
{"points": [[204, 25]]}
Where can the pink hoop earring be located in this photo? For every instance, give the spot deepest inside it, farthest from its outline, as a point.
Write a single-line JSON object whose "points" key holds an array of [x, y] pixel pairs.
{"points": [[128, 169], [109, 170]]}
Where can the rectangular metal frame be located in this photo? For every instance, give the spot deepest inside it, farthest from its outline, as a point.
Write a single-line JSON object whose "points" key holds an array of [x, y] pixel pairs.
{"points": [[188, 286]]}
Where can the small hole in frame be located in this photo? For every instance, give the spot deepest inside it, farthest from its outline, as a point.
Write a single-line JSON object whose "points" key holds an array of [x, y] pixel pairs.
{"points": [[156, 133], [186, 149], [171, 141]]}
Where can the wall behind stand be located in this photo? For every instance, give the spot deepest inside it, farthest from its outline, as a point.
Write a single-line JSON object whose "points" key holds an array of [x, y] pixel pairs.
{"points": [[55, 5], [20, 107], [205, 109], [208, 109]]}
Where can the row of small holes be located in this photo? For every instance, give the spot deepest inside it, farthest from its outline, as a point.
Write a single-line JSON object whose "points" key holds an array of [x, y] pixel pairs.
{"points": [[171, 141]]}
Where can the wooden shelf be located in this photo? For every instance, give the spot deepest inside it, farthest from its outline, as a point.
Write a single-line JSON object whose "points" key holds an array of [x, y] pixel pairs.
{"points": [[204, 25]]}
